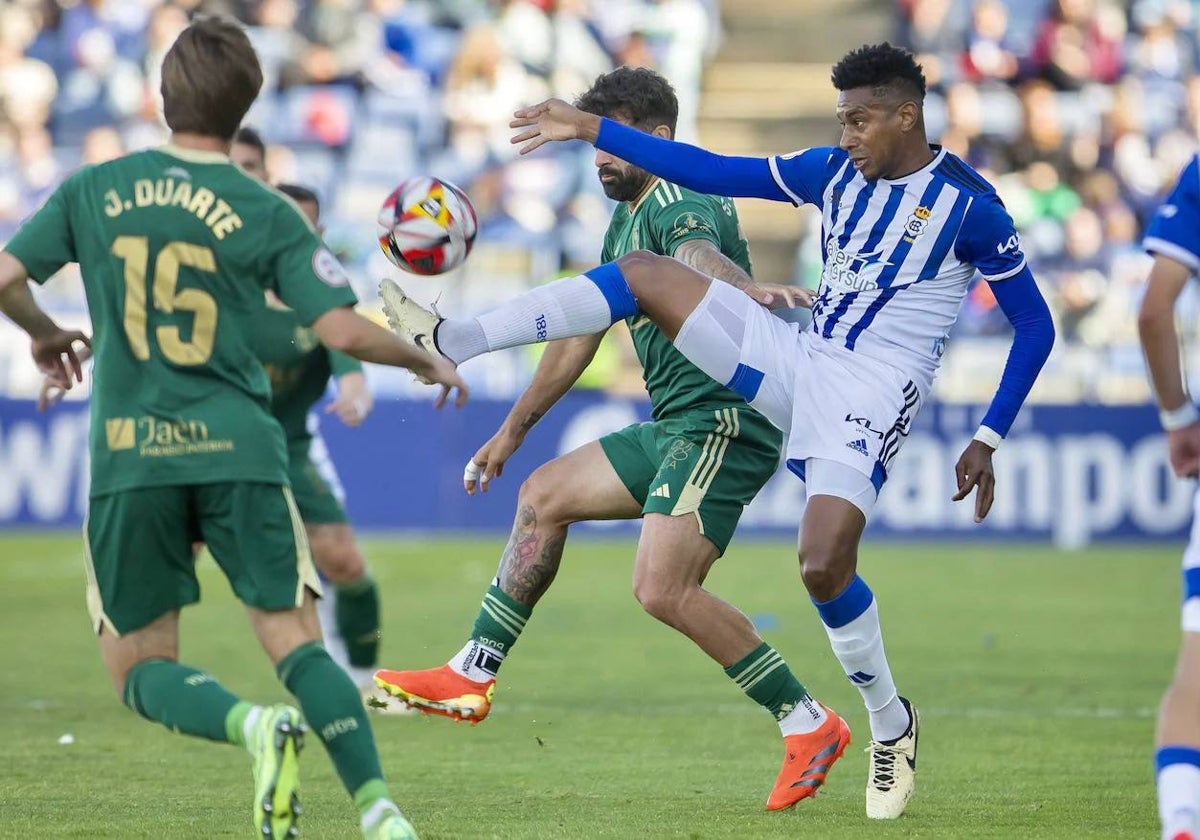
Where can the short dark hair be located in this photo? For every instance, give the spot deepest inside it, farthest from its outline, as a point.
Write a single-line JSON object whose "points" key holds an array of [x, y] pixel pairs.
{"points": [[210, 78], [881, 67], [247, 136], [298, 194], [636, 95]]}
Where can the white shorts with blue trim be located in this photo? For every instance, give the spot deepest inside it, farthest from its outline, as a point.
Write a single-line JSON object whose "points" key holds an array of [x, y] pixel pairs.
{"points": [[832, 403]]}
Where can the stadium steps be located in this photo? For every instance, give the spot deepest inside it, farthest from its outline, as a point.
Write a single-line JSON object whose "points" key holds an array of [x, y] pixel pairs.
{"points": [[767, 91]]}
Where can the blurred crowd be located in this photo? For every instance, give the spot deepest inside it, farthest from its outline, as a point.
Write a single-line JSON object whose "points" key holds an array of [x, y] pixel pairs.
{"points": [[358, 94], [1083, 113]]}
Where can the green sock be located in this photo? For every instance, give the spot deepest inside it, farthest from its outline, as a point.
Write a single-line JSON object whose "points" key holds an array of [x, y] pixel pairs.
{"points": [[235, 723], [356, 610], [335, 713], [768, 681], [180, 698], [497, 627], [370, 793]]}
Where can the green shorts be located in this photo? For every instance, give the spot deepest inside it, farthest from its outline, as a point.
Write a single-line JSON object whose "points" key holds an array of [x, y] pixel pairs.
{"points": [[706, 462], [138, 548], [319, 504]]}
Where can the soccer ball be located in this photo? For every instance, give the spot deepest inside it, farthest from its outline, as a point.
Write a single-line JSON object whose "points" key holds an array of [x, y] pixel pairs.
{"points": [[427, 226]]}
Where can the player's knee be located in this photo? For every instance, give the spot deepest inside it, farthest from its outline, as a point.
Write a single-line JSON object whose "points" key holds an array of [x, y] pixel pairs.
{"points": [[542, 494], [661, 599], [338, 559], [640, 268], [826, 569]]}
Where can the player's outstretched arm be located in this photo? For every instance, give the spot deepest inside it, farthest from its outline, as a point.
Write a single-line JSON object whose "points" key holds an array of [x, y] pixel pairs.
{"points": [[1160, 345], [560, 368], [344, 330], [53, 347], [1033, 338], [680, 163]]}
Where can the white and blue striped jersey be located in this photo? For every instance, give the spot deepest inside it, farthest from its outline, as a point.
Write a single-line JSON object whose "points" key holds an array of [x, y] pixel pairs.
{"points": [[899, 255], [1175, 229]]}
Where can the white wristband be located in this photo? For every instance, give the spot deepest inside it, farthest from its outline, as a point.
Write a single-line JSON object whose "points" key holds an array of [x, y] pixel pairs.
{"points": [[988, 436], [1175, 419]]}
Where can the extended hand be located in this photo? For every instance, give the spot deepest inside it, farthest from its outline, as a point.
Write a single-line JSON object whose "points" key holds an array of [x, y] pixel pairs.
{"points": [[441, 371], [552, 120], [488, 462], [776, 296], [56, 357], [1183, 447], [974, 470], [354, 400]]}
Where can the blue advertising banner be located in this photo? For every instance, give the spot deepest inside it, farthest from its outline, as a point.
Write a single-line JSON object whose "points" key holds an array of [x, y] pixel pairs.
{"points": [[1071, 474]]}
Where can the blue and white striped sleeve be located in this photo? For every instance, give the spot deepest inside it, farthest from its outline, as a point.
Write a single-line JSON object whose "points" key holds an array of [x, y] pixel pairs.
{"points": [[1175, 229]]}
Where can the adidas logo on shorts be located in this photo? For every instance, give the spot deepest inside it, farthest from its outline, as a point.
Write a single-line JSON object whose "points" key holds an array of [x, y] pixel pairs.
{"points": [[662, 492], [859, 446]]}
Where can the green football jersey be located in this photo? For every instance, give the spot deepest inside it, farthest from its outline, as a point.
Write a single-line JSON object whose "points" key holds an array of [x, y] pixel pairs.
{"points": [[176, 248], [664, 218], [298, 366]]}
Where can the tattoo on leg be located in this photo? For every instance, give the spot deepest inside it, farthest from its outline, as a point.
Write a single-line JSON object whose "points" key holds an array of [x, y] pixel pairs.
{"points": [[527, 567]]}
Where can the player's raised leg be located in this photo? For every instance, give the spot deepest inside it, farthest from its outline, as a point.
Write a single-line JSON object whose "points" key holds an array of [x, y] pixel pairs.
{"points": [[829, 538], [673, 559], [1177, 742], [664, 289], [581, 485]]}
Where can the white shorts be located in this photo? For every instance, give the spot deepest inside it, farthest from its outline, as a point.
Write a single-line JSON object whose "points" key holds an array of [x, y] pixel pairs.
{"points": [[833, 404], [1191, 573], [318, 453]]}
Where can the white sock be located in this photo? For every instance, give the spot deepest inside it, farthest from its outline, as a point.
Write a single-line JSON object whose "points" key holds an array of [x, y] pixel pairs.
{"points": [[335, 645], [578, 305], [807, 716], [858, 645], [467, 661], [1178, 797]]}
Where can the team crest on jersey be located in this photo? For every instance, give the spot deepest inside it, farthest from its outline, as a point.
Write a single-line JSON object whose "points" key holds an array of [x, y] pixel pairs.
{"points": [[686, 223], [916, 223], [328, 268]]}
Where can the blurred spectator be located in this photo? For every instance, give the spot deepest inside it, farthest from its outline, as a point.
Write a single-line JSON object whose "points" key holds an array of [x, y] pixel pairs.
{"points": [[1080, 42], [989, 56]]}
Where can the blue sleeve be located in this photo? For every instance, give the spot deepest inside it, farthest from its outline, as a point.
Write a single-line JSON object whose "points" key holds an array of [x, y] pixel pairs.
{"points": [[1175, 229], [988, 239], [1033, 338], [803, 175], [690, 166]]}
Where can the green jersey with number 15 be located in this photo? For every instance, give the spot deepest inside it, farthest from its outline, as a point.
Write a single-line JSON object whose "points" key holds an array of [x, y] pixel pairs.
{"points": [[176, 247]]}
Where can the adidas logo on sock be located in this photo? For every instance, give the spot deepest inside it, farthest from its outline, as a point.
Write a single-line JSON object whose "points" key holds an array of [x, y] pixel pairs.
{"points": [[663, 492], [859, 446]]}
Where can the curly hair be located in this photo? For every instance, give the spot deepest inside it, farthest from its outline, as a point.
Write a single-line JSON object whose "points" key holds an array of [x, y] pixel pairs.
{"points": [[636, 95], [881, 67]]}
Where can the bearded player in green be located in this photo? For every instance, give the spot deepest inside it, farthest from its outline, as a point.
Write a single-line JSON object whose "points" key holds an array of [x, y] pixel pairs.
{"points": [[688, 474], [176, 247]]}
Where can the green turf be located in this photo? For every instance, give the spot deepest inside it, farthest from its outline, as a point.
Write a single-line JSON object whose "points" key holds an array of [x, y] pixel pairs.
{"points": [[1036, 673]]}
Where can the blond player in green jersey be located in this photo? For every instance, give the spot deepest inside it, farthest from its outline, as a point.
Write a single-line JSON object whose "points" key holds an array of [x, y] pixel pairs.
{"points": [[176, 247], [688, 473]]}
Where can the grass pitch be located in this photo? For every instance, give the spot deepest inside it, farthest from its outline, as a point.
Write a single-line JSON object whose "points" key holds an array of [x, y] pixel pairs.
{"points": [[1036, 673]]}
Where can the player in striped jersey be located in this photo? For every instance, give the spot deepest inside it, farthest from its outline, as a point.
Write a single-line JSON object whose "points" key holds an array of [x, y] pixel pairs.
{"points": [[1173, 239], [905, 228], [688, 474]]}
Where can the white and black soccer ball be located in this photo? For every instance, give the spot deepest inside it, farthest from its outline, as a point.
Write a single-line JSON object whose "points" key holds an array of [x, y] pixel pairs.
{"points": [[427, 226]]}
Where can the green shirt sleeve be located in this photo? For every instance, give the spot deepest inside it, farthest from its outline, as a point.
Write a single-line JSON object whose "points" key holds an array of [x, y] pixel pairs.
{"points": [[304, 272], [340, 364], [680, 221], [45, 243]]}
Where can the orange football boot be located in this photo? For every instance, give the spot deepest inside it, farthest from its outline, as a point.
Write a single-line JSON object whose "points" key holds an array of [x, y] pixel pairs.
{"points": [[439, 691], [806, 761]]}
